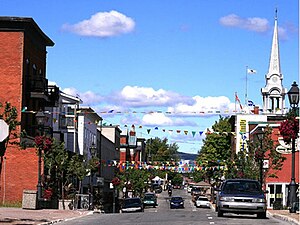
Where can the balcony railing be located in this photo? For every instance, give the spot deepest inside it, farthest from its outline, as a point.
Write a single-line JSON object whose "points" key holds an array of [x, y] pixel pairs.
{"points": [[38, 85]]}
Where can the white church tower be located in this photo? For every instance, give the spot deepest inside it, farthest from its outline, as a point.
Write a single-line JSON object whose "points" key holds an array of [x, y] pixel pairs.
{"points": [[274, 93]]}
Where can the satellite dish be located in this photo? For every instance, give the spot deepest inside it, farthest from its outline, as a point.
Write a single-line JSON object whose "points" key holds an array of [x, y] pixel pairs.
{"points": [[4, 130]]}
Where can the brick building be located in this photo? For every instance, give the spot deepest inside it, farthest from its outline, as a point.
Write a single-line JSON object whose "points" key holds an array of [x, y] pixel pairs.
{"points": [[23, 83]]}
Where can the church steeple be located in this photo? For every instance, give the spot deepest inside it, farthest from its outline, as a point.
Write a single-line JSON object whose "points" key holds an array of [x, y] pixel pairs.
{"points": [[274, 92], [274, 66]]}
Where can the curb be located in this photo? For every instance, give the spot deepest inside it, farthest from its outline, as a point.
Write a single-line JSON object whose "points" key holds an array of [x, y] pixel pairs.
{"points": [[284, 218], [67, 219]]}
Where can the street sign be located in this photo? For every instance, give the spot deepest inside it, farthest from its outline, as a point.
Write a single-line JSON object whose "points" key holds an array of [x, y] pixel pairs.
{"points": [[4, 130]]}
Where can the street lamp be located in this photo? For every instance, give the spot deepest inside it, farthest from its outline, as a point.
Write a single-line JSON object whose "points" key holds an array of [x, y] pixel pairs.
{"points": [[93, 152], [40, 119], [260, 136], [293, 95]]}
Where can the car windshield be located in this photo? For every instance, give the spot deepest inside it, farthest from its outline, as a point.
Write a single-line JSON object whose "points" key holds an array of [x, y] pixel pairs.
{"points": [[149, 197], [196, 189], [202, 199], [241, 186], [132, 202], [176, 199]]}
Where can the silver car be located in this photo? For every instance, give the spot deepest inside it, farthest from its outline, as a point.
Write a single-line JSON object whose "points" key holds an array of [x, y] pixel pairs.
{"points": [[241, 196]]}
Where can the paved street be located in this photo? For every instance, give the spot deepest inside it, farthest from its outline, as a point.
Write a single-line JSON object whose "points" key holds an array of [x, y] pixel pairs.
{"points": [[163, 215]]}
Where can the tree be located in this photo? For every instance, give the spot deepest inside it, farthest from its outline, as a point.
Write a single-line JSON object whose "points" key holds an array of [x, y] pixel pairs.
{"points": [[159, 150], [216, 150], [248, 163], [61, 168], [135, 180], [9, 114]]}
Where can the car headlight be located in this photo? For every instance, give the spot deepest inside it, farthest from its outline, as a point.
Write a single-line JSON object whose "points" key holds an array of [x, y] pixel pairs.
{"points": [[227, 199], [259, 200]]}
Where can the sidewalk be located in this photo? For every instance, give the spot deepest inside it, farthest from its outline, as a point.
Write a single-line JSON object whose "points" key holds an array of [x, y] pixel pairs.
{"points": [[42, 216], [50, 216], [285, 215]]}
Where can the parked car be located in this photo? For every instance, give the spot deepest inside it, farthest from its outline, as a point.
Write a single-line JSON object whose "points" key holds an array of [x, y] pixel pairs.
{"points": [[132, 205], [241, 196], [176, 186], [189, 187], [156, 188], [202, 201], [176, 202], [196, 191], [150, 199]]}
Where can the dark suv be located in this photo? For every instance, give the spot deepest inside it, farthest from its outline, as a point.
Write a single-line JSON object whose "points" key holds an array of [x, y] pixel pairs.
{"points": [[241, 196]]}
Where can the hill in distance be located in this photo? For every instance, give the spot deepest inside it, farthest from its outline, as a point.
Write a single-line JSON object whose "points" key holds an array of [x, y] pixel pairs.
{"points": [[187, 156]]}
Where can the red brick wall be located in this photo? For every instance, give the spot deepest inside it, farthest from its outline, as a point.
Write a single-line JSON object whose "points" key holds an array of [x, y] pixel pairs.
{"points": [[11, 58], [19, 172], [284, 175]]}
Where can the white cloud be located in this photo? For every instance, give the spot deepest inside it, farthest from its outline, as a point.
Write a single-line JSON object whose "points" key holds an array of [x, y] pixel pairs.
{"points": [[88, 97], [102, 24], [155, 107], [158, 119], [202, 106], [253, 24], [134, 96], [256, 24]]}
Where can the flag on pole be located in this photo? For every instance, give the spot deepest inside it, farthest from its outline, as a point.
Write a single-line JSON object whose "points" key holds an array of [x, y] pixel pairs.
{"points": [[251, 71], [250, 103]]}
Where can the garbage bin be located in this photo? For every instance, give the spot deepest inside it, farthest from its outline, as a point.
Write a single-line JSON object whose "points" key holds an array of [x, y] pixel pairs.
{"points": [[29, 200]]}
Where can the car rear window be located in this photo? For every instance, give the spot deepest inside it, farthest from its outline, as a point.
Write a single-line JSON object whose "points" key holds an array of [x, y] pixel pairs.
{"points": [[241, 186], [202, 199], [130, 202]]}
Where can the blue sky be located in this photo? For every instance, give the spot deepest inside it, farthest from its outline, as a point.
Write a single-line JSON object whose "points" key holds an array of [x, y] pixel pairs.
{"points": [[169, 67]]}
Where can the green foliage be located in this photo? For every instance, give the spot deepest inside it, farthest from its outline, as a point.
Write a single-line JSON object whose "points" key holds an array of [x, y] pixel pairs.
{"points": [[9, 114], [137, 178], [262, 150], [76, 167], [159, 150], [177, 179], [65, 168], [216, 150]]}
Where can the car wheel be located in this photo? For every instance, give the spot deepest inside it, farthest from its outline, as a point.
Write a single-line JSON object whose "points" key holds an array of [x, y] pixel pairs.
{"points": [[262, 215], [220, 213]]}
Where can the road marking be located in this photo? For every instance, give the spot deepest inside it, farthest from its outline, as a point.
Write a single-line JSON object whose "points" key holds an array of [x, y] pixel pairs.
{"points": [[210, 218], [211, 222]]}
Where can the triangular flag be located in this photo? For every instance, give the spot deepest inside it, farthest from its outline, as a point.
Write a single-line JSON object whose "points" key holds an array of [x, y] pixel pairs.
{"points": [[193, 133]]}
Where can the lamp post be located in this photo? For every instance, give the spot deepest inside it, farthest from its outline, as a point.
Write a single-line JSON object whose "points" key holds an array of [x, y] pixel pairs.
{"points": [[260, 136], [93, 150], [40, 119], [293, 95]]}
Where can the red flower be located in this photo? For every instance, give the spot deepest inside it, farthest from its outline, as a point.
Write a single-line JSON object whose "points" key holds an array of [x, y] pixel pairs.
{"points": [[47, 194], [289, 129], [116, 181], [44, 143]]}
